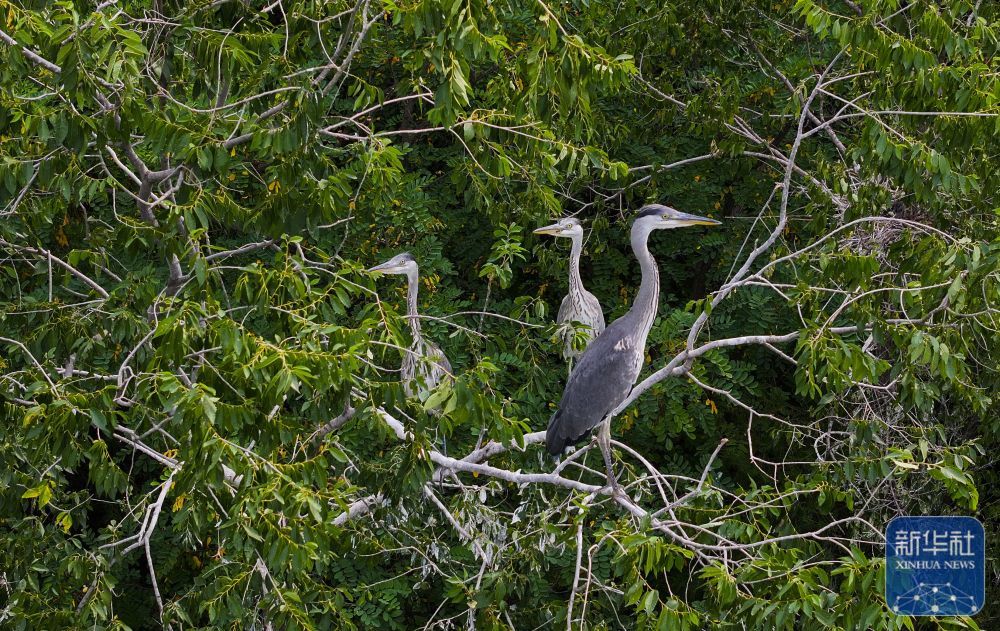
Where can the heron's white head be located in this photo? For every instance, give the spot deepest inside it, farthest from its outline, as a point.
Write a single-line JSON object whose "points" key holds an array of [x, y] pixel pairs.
{"points": [[568, 227], [402, 263], [658, 217]]}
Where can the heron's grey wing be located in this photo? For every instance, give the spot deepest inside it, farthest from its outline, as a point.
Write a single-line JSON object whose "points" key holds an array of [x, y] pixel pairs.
{"points": [[585, 309], [435, 367], [595, 315], [565, 310], [441, 366], [408, 371], [444, 363], [565, 316], [424, 367], [601, 379]]}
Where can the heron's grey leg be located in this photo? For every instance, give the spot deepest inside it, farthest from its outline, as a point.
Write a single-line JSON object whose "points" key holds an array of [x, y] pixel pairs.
{"points": [[604, 441]]}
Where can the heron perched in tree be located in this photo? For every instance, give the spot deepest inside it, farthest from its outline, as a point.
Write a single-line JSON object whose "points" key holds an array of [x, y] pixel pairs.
{"points": [[579, 305], [608, 369], [424, 364]]}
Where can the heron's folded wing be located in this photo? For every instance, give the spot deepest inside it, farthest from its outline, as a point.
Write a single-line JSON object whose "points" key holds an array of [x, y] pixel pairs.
{"points": [[601, 380]]}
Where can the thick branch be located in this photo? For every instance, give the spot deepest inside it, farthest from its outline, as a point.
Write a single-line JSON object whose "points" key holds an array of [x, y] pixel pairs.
{"points": [[30, 54]]}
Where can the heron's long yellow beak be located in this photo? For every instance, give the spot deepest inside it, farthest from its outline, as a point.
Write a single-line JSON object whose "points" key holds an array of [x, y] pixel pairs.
{"points": [[553, 229], [381, 268], [687, 219]]}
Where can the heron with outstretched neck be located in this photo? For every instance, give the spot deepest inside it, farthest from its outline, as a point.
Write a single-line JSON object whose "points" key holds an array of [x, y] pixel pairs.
{"points": [[424, 364], [579, 305], [607, 370]]}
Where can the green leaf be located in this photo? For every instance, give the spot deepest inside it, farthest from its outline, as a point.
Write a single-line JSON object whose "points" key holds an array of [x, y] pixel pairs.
{"points": [[43, 492], [208, 406]]}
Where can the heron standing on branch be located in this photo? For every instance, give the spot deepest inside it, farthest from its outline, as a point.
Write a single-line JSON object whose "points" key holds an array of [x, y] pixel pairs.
{"points": [[579, 305], [608, 369], [424, 364]]}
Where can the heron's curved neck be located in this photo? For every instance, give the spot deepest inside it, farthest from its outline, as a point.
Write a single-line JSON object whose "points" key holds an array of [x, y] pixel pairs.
{"points": [[647, 301], [575, 282], [412, 286]]}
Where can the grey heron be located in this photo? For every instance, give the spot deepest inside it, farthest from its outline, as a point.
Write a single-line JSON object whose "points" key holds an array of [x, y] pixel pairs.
{"points": [[579, 305], [424, 364], [608, 369]]}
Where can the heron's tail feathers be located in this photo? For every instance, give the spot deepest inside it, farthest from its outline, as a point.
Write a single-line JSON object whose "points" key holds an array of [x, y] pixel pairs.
{"points": [[556, 439]]}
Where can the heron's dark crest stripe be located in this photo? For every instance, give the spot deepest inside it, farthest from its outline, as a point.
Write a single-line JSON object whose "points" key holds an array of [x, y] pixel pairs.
{"points": [[649, 210]]}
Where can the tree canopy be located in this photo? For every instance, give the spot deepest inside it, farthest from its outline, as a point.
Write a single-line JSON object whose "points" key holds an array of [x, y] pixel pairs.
{"points": [[203, 420]]}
